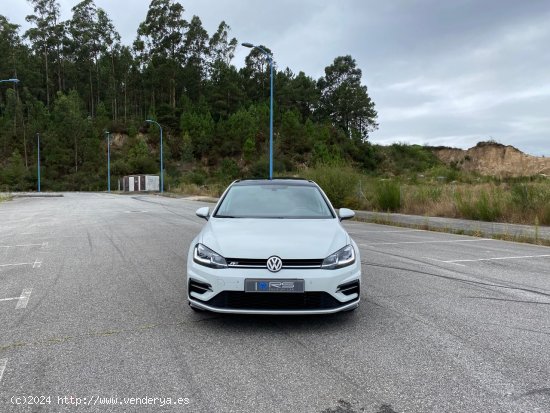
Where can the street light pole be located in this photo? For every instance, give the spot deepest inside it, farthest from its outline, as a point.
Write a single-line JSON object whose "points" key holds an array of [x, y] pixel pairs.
{"points": [[270, 60], [161, 165], [38, 138], [108, 161]]}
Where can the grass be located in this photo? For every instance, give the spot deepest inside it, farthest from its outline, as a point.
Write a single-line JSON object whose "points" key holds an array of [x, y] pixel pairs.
{"points": [[486, 201], [4, 198]]}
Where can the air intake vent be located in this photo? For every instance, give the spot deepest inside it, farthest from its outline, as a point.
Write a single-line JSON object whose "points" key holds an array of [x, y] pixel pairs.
{"points": [[349, 288], [199, 287]]}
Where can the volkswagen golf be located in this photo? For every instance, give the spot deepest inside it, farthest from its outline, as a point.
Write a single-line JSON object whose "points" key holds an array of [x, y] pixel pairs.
{"points": [[273, 247]]}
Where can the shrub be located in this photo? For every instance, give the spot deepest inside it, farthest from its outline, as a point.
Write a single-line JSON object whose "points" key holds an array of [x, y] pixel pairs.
{"points": [[388, 196], [486, 206], [339, 182]]}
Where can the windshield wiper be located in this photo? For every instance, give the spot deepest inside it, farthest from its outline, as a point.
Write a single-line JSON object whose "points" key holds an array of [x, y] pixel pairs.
{"points": [[225, 216]]}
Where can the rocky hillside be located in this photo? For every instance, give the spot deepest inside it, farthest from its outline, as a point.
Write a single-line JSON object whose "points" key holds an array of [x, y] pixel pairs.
{"points": [[491, 158]]}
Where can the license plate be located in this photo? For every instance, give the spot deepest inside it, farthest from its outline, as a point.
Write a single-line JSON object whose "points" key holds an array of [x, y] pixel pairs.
{"points": [[273, 286]]}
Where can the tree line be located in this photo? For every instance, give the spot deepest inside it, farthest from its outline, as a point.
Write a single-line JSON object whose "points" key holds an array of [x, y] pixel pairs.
{"points": [[77, 81]]}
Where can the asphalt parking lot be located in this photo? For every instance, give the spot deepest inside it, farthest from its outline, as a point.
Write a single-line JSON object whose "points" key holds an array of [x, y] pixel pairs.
{"points": [[93, 312]]}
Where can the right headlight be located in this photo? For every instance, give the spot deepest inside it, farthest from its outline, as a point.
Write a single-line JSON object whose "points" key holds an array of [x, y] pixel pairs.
{"points": [[205, 256], [341, 258]]}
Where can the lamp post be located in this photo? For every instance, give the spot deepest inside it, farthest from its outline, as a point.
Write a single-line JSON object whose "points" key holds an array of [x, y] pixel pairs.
{"points": [[38, 160], [161, 166], [270, 60], [108, 160]]}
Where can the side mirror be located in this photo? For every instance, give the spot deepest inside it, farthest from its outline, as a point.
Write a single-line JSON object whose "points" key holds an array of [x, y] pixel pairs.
{"points": [[203, 212], [345, 213]]}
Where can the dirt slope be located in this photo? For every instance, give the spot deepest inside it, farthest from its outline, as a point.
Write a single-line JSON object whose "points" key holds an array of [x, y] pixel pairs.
{"points": [[491, 158]]}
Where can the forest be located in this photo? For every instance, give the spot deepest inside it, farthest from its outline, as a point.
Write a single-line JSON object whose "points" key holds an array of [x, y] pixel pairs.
{"points": [[77, 81]]}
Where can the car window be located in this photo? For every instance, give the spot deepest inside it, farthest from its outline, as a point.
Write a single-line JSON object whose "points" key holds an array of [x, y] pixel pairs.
{"points": [[274, 201]]}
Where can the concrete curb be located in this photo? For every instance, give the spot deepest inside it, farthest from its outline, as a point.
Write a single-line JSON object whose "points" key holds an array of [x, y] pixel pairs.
{"points": [[32, 194]]}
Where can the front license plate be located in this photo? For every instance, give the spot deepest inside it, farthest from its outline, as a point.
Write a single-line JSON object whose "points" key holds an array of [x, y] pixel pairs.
{"points": [[252, 285]]}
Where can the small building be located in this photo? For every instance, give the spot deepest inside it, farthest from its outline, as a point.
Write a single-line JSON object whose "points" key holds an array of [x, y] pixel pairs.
{"points": [[140, 183]]}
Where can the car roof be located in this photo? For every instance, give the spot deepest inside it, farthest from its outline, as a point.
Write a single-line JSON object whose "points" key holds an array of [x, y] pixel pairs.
{"points": [[276, 181]]}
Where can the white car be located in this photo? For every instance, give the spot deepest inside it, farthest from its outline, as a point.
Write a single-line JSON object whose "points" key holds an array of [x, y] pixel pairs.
{"points": [[273, 247]]}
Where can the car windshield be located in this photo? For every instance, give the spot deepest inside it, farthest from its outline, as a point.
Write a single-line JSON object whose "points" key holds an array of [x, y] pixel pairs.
{"points": [[274, 201]]}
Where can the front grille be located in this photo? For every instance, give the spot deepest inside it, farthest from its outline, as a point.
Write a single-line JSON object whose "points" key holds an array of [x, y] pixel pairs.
{"points": [[349, 288], [302, 263], [199, 287], [314, 300], [246, 263], [262, 263]]}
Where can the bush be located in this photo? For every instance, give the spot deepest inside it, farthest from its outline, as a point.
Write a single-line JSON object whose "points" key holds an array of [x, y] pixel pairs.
{"points": [[196, 177], [388, 196], [339, 182]]}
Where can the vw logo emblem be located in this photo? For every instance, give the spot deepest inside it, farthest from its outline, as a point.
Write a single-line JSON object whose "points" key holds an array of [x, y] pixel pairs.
{"points": [[274, 264]]}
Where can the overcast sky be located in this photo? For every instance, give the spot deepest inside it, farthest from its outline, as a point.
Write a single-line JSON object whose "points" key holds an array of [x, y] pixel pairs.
{"points": [[441, 72]]}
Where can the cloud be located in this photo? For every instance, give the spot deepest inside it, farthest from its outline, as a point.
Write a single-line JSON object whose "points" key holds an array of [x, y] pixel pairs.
{"points": [[439, 72]]}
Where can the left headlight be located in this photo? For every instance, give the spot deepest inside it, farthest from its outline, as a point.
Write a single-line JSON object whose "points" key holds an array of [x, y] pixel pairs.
{"points": [[341, 258], [205, 256]]}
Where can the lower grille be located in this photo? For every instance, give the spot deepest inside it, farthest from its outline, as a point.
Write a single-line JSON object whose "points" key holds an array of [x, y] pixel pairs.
{"points": [[275, 301]]}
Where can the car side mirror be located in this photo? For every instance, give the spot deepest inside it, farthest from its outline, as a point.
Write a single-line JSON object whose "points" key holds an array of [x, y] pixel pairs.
{"points": [[345, 213], [203, 212]]}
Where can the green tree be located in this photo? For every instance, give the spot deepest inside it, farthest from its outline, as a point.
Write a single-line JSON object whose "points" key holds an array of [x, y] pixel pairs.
{"points": [[91, 37], [200, 127], [14, 176], [344, 100], [46, 37], [220, 48], [160, 41]]}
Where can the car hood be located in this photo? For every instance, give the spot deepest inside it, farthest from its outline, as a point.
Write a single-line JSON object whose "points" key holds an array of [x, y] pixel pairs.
{"points": [[262, 238]]}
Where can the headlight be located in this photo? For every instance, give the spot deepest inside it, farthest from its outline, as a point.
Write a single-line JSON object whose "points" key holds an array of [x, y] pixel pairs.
{"points": [[205, 256], [341, 258]]}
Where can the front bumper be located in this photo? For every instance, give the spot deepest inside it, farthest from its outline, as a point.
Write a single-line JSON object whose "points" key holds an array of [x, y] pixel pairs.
{"points": [[226, 291]]}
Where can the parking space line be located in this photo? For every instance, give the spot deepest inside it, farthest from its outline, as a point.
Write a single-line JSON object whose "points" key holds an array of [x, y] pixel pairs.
{"points": [[16, 264], [24, 299], [41, 245], [3, 363], [500, 258], [447, 262], [10, 299], [427, 242]]}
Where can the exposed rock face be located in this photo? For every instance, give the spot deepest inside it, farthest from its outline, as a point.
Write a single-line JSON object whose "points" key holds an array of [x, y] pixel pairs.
{"points": [[491, 158]]}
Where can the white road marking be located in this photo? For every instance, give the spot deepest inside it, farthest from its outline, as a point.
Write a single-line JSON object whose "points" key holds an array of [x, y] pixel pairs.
{"points": [[447, 262], [10, 299], [427, 242], [3, 363], [500, 258], [24, 299], [37, 263], [42, 245], [16, 264]]}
